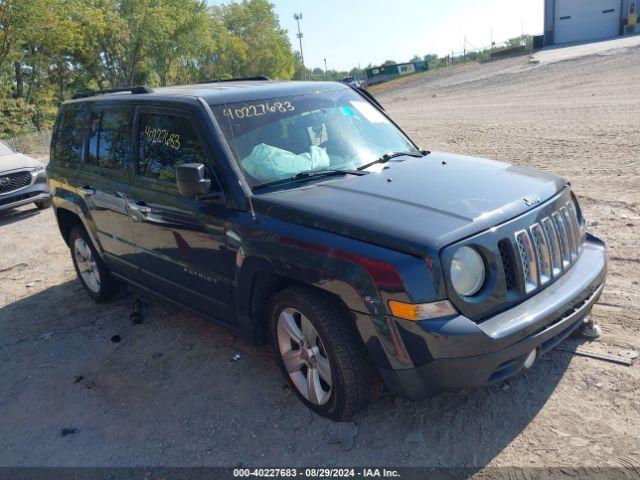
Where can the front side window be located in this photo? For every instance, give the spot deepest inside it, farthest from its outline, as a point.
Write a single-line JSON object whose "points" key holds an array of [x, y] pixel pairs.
{"points": [[71, 130], [165, 142], [335, 129], [110, 139]]}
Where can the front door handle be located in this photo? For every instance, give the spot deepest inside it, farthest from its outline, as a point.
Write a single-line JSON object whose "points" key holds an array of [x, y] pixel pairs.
{"points": [[138, 211], [87, 191], [140, 207]]}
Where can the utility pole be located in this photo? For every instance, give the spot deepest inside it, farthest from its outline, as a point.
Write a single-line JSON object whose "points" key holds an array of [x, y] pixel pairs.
{"points": [[297, 17], [464, 49]]}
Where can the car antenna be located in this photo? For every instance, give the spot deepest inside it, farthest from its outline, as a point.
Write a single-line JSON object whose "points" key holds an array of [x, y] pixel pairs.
{"points": [[253, 212]]}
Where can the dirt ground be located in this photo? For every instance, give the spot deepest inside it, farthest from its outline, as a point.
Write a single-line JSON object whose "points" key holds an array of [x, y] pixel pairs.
{"points": [[168, 392]]}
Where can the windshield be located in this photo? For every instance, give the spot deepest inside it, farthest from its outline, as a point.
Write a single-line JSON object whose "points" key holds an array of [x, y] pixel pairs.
{"points": [[5, 149], [278, 138]]}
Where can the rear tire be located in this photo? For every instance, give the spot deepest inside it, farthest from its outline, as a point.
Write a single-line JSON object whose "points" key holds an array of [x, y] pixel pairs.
{"points": [[92, 272], [43, 204], [320, 353]]}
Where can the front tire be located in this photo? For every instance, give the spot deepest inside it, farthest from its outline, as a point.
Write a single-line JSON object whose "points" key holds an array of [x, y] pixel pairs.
{"points": [[320, 353], [92, 272]]}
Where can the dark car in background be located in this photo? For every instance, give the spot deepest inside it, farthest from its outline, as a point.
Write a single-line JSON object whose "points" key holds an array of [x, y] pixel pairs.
{"points": [[300, 213], [22, 180]]}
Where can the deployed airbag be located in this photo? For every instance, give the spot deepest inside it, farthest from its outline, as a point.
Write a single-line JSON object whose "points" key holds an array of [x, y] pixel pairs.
{"points": [[266, 163]]}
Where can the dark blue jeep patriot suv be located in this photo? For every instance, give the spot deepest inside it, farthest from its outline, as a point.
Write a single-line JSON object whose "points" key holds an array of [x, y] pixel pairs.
{"points": [[300, 212]]}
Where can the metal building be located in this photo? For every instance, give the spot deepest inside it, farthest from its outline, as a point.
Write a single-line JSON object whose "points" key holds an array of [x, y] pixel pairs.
{"points": [[567, 21], [389, 72]]}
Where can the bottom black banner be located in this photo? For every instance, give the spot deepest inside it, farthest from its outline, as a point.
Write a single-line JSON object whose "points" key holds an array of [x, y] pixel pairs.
{"points": [[320, 473]]}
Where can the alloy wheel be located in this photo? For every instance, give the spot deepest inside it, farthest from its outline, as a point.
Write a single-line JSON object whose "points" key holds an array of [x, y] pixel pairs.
{"points": [[304, 356], [87, 266]]}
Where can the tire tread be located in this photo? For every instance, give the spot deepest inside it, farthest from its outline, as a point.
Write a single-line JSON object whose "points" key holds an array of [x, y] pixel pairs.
{"points": [[359, 377]]}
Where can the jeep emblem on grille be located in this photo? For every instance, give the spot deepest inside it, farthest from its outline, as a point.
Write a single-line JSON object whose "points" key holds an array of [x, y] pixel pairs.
{"points": [[531, 200], [5, 181]]}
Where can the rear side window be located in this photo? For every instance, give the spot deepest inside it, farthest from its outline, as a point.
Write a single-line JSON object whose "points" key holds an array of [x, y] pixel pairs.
{"points": [[166, 141], [70, 135], [110, 139]]}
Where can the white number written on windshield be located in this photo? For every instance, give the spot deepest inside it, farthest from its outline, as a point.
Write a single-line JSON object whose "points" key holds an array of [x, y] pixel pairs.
{"points": [[257, 109]]}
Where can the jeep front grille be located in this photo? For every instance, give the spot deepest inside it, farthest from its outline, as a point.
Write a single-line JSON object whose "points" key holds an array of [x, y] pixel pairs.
{"points": [[547, 248], [506, 255], [14, 181], [554, 245]]}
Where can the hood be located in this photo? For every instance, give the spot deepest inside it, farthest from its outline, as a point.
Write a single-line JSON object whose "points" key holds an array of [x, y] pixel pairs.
{"points": [[417, 205], [17, 161]]}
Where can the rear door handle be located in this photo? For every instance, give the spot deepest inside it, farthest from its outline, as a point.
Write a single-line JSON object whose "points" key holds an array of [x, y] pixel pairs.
{"points": [[87, 190]]}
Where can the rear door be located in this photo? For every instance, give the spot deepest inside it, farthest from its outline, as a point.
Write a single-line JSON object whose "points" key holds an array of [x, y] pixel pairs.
{"points": [[180, 242], [89, 169], [107, 172]]}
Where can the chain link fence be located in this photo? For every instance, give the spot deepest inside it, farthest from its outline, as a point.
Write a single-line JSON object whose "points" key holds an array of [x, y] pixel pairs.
{"points": [[34, 144]]}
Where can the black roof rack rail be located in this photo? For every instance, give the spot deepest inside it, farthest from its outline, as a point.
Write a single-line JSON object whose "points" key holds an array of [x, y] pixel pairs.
{"points": [[259, 78], [135, 90]]}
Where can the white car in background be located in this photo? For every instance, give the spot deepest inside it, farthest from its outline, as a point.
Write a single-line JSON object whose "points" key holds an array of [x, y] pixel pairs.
{"points": [[22, 180]]}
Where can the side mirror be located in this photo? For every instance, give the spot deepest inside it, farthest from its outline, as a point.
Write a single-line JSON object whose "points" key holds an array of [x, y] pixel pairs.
{"points": [[191, 181]]}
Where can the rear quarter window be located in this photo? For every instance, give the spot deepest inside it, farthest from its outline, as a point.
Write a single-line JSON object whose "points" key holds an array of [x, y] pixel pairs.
{"points": [[70, 134]]}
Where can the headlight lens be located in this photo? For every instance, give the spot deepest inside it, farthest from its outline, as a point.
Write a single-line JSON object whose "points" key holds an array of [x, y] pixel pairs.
{"points": [[37, 169], [467, 271]]}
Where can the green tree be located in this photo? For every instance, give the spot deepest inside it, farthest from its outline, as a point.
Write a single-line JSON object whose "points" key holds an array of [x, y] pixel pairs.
{"points": [[300, 72], [268, 49], [104, 33], [50, 49], [185, 38], [228, 55]]}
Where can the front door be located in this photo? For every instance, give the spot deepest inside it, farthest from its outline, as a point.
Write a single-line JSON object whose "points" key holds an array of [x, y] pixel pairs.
{"points": [[180, 241]]}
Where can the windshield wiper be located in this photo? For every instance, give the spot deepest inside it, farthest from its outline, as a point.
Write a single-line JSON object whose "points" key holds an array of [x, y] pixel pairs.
{"points": [[389, 155], [326, 173], [308, 175]]}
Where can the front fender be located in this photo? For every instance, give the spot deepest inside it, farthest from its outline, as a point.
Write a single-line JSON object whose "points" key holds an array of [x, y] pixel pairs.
{"points": [[341, 278], [363, 275]]}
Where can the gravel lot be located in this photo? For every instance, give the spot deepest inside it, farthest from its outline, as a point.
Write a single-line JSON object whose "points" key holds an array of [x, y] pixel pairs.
{"points": [[169, 394]]}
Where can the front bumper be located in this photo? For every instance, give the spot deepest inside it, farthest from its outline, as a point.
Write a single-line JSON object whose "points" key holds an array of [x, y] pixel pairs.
{"points": [[419, 359], [37, 191]]}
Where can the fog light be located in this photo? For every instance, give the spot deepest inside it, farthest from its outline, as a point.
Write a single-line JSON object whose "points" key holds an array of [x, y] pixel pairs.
{"points": [[531, 358]]}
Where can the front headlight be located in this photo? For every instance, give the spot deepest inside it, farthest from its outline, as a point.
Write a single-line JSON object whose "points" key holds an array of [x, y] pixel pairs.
{"points": [[37, 169], [467, 271]]}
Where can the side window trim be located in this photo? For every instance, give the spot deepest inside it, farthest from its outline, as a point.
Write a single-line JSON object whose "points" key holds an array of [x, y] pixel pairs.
{"points": [[183, 113], [100, 109], [93, 115]]}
